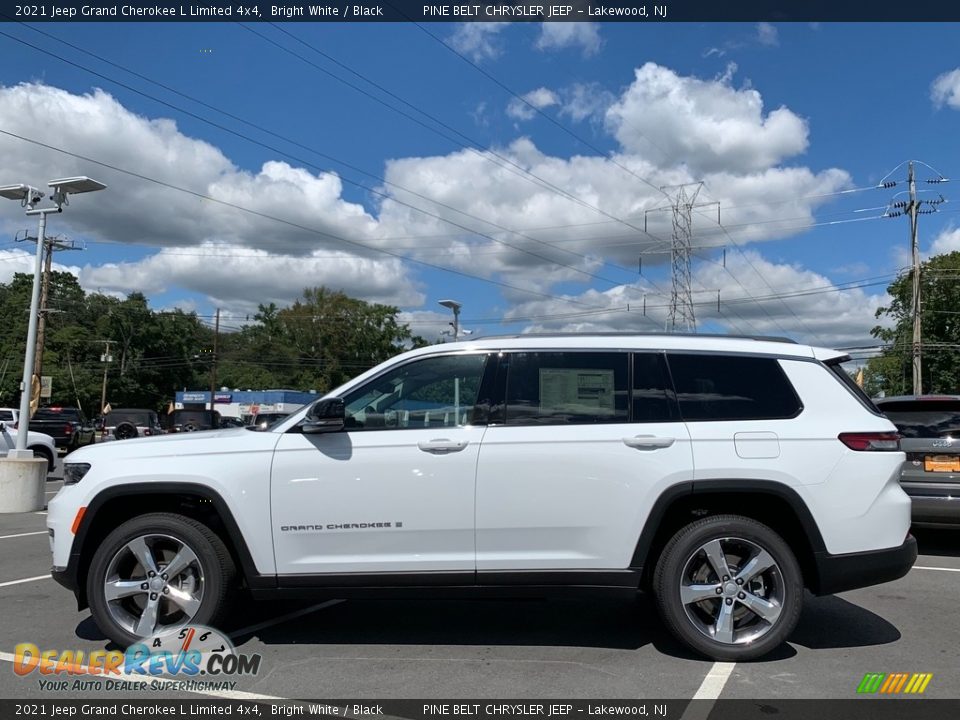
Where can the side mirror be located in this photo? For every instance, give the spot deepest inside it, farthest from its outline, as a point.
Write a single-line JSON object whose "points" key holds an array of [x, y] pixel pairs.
{"points": [[325, 416]]}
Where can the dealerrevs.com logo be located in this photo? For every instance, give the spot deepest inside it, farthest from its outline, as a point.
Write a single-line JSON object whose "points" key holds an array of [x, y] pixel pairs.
{"points": [[193, 657]]}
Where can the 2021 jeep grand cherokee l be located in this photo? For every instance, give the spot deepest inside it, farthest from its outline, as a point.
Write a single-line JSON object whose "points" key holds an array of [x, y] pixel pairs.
{"points": [[724, 474]]}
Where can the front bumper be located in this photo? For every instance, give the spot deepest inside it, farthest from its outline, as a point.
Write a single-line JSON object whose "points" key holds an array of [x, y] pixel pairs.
{"points": [[837, 573]]}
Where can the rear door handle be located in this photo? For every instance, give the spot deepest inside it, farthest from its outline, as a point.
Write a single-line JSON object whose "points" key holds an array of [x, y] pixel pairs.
{"points": [[648, 442], [442, 446]]}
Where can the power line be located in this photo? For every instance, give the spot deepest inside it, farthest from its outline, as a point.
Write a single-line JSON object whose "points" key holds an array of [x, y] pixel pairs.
{"points": [[367, 188], [290, 223]]}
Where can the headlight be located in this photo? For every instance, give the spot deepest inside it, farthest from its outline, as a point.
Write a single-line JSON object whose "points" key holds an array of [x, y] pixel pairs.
{"points": [[74, 472]]}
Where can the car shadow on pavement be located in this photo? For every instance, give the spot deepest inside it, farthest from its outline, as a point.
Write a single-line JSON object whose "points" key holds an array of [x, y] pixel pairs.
{"points": [[616, 624], [944, 543], [826, 622], [833, 622]]}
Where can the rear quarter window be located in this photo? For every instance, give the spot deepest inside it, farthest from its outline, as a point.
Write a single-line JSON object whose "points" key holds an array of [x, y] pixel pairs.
{"points": [[732, 387]]}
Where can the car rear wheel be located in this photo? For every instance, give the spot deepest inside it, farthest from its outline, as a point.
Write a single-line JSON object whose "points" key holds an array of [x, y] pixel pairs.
{"points": [[156, 573], [729, 587]]}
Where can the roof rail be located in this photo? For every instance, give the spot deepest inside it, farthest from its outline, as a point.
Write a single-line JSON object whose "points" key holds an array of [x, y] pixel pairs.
{"points": [[761, 338]]}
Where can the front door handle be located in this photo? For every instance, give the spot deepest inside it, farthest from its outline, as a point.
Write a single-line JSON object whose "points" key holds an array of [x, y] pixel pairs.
{"points": [[648, 442], [442, 446]]}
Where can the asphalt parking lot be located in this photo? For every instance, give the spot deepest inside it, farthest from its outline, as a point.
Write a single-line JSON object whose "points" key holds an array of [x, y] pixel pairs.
{"points": [[520, 649]]}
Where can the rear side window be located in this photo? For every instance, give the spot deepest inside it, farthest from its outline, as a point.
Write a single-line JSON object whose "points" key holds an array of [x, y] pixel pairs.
{"points": [[653, 399], [731, 387], [567, 388]]}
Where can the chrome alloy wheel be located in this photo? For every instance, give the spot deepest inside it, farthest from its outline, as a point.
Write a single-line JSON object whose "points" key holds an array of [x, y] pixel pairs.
{"points": [[732, 590], [153, 583]]}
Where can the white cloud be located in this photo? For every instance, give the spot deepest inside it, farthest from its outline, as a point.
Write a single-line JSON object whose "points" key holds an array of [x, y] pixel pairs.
{"points": [[478, 40], [562, 35], [945, 90], [767, 34], [133, 210], [817, 313], [240, 278], [238, 260], [526, 108], [705, 124], [946, 242], [585, 100]]}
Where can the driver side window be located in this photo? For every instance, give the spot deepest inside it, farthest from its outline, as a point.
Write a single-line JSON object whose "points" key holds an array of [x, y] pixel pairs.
{"points": [[432, 392]]}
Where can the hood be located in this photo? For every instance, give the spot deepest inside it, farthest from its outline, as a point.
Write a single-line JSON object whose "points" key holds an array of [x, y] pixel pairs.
{"points": [[178, 444]]}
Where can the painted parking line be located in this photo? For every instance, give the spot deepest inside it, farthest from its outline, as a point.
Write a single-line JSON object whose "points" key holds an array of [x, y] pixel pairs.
{"points": [[138, 679], [25, 580], [927, 567], [709, 690], [26, 534]]}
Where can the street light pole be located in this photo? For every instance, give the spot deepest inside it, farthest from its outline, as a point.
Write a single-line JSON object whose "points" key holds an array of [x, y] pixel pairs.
{"points": [[26, 383], [28, 197]]}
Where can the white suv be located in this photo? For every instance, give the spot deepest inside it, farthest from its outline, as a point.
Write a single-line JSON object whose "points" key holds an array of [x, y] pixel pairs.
{"points": [[724, 474]]}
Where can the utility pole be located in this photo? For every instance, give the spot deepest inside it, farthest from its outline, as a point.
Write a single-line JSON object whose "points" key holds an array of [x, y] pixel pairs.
{"points": [[213, 360], [106, 358], [50, 246], [913, 208], [915, 250], [681, 315]]}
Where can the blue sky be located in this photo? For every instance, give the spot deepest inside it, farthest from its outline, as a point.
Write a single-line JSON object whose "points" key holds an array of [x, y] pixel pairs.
{"points": [[788, 125]]}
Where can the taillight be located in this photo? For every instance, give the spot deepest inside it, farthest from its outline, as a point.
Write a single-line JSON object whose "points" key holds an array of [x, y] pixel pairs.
{"points": [[68, 429], [871, 441]]}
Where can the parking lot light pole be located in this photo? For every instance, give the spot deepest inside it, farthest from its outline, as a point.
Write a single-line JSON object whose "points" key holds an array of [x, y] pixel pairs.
{"points": [[28, 197], [455, 306]]}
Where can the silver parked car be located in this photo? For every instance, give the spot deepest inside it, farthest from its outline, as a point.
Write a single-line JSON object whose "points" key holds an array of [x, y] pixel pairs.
{"points": [[929, 426]]}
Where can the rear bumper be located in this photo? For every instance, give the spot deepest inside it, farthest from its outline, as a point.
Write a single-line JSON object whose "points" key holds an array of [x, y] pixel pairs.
{"points": [[935, 510], [837, 573]]}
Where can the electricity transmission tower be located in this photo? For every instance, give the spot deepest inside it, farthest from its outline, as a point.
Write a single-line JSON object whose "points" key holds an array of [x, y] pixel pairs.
{"points": [[681, 316]]}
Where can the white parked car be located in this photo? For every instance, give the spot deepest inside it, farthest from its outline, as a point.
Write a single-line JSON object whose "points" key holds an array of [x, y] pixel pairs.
{"points": [[723, 474], [41, 444]]}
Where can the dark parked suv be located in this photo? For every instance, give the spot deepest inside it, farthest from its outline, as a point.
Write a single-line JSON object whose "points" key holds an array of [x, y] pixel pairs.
{"points": [[127, 423], [192, 420], [930, 430]]}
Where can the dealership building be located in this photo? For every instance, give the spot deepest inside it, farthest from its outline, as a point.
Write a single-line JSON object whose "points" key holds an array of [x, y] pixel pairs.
{"points": [[240, 403]]}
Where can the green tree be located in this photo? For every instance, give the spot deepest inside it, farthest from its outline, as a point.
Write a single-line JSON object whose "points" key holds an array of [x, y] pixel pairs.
{"points": [[891, 372]]}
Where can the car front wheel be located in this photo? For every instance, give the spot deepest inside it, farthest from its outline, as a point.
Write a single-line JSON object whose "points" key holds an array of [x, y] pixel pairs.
{"points": [[729, 587], [156, 573]]}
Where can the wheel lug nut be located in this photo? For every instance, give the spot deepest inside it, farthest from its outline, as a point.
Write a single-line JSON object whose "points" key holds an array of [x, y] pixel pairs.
{"points": [[726, 578], [151, 574], [741, 595], [164, 576], [729, 601], [144, 586], [739, 581], [166, 591], [719, 590], [153, 596]]}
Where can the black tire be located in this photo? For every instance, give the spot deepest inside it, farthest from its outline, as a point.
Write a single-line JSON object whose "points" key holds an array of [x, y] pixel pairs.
{"points": [[42, 452], [742, 634], [214, 567], [125, 431]]}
